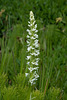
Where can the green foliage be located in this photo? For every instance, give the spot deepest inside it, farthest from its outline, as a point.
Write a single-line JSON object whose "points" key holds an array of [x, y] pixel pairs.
{"points": [[37, 95], [65, 96], [20, 93], [17, 12], [12, 60], [19, 80], [53, 94], [9, 93], [3, 80], [23, 93], [15, 93]]}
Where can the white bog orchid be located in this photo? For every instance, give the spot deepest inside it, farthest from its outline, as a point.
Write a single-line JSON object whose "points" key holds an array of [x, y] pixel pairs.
{"points": [[32, 50]]}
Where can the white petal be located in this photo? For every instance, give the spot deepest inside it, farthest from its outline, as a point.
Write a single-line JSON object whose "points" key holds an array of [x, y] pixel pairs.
{"points": [[31, 69], [32, 37], [26, 74], [29, 22], [29, 48], [35, 54], [30, 25], [27, 41], [37, 59], [28, 36], [36, 45], [28, 63], [35, 26], [36, 41], [36, 31], [28, 57], [29, 32], [34, 22], [34, 63], [36, 36], [32, 48]]}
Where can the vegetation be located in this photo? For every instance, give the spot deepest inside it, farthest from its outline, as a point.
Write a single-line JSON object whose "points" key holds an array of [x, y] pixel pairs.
{"points": [[51, 18]]}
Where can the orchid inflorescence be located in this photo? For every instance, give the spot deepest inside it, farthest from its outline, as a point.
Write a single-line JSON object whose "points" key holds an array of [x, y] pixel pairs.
{"points": [[32, 50]]}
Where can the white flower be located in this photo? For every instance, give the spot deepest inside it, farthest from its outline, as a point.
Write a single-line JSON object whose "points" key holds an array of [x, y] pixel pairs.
{"points": [[36, 41], [29, 22], [31, 15], [31, 69], [34, 63], [33, 78], [36, 36], [28, 63], [32, 50], [33, 38], [35, 54], [37, 59], [32, 81], [34, 22], [36, 45], [29, 32], [36, 31], [28, 42], [28, 57], [32, 53], [29, 25], [37, 51], [36, 68], [33, 29], [28, 36], [29, 48], [35, 26], [26, 74], [35, 75], [28, 45]]}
